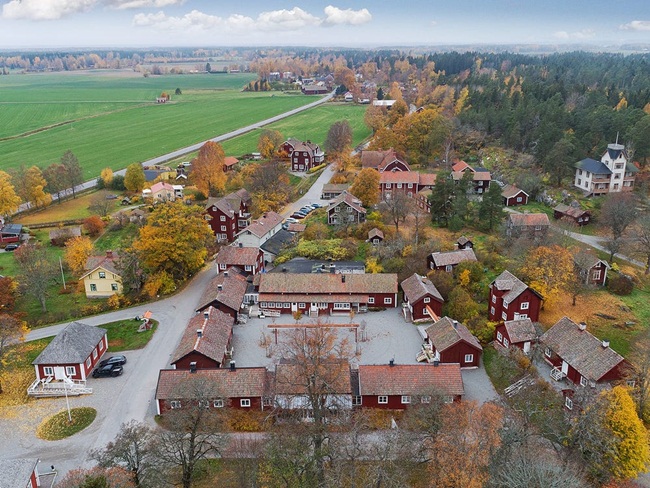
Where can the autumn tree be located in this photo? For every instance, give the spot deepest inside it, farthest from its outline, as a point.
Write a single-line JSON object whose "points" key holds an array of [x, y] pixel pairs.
{"points": [[8, 294], [366, 187], [9, 200], [133, 276], [461, 306], [73, 172], [96, 478], [548, 270], [641, 240], [339, 138], [616, 215], [174, 240], [30, 186], [94, 225], [269, 185], [106, 176], [134, 178], [55, 176], [269, 143], [36, 271], [463, 449], [207, 169], [100, 205], [638, 371], [77, 251], [396, 208], [375, 118]]}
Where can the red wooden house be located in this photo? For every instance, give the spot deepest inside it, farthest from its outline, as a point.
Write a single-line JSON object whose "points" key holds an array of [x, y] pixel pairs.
{"points": [[451, 342], [19, 473], [445, 261], [575, 215], [422, 300], [399, 386], [229, 215], [383, 161], [591, 269], [303, 155], [464, 243], [249, 260], [512, 299], [229, 163], [326, 293], [72, 354], [532, 226], [10, 233], [346, 208], [513, 196], [239, 388], [578, 356], [519, 333], [225, 292]]}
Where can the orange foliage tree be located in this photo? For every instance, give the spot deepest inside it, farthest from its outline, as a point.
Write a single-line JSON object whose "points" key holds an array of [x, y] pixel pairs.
{"points": [[549, 270], [366, 187], [207, 169], [94, 225]]}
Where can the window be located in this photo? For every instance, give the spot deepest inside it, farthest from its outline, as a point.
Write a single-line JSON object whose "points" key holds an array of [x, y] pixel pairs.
{"points": [[88, 363], [223, 227], [371, 300], [579, 182], [102, 275], [504, 316], [341, 306], [399, 185], [518, 199], [94, 353], [222, 218], [286, 305], [114, 286], [248, 267], [568, 403], [427, 299], [494, 298], [382, 399], [337, 209], [596, 274], [630, 383], [469, 358], [356, 400], [506, 342], [499, 337], [387, 185], [538, 227], [524, 305], [301, 305], [48, 371], [580, 172], [204, 404], [388, 301], [583, 381], [425, 399], [406, 399], [492, 310], [449, 268], [448, 399], [245, 402], [410, 185], [175, 404], [93, 287], [548, 352]]}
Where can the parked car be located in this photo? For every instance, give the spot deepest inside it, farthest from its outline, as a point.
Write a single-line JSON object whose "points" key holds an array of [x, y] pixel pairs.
{"points": [[298, 215], [285, 226], [290, 220], [307, 209], [120, 360], [11, 247], [316, 205], [108, 370]]}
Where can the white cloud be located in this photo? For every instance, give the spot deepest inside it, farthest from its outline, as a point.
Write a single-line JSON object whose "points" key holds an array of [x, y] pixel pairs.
{"points": [[579, 35], [293, 19], [194, 19], [44, 9], [127, 4], [337, 16], [637, 25]]}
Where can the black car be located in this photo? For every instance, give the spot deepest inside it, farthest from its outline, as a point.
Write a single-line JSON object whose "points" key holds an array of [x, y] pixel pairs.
{"points": [[120, 360], [11, 247], [108, 370]]}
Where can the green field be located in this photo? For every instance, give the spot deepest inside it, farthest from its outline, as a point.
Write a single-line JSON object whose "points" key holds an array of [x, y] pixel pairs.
{"points": [[112, 119]]}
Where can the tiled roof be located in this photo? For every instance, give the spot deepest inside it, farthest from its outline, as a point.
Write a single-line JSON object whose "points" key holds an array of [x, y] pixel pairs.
{"points": [[306, 146], [476, 175], [380, 159], [410, 379], [460, 166], [16, 472], [328, 283], [510, 191], [233, 289], [587, 259], [216, 330], [311, 297], [292, 379], [221, 383], [399, 177], [296, 227], [230, 161], [161, 185], [520, 330], [264, 224], [375, 232], [334, 187], [73, 231], [570, 211], [416, 287], [462, 240], [584, 352], [506, 281], [222, 204], [240, 256], [106, 261], [427, 179], [72, 345], [446, 332], [452, 257], [348, 199], [529, 219], [593, 166]]}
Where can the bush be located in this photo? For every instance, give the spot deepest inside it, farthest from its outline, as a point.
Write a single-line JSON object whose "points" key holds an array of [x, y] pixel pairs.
{"points": [[246, 421], [316, 168], [620, 285], [94, 225]]}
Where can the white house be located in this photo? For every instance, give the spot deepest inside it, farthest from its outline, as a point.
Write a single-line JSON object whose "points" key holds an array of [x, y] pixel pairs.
{"points": [[612, 174]]}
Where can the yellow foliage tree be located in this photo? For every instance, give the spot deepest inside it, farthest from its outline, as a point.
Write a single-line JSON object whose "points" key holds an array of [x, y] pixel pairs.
{"points": [[373, 267], [107, 176], [207, 169], [549, 270], [134, 177], [366, 187], [463, 96], [35, 186], [9, 200], [463, 278], [77, 251], [269, 143]]}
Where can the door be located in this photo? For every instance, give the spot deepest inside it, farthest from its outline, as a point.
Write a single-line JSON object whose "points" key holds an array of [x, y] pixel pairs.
{"points": [[526, 347], [59, 373], [565, 368]]}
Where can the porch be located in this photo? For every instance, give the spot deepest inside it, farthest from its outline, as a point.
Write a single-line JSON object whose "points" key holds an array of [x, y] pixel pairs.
{"points": [[49, 387]]}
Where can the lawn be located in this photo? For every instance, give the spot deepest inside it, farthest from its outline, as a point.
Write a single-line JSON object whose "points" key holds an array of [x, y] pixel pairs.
{"points": [[18, 372], [64, 424], [72, 209], [138, 129], [123, 335]]}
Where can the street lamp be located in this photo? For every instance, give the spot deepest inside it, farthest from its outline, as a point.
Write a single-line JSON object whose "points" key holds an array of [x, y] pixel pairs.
{"points": [[67, 401]]}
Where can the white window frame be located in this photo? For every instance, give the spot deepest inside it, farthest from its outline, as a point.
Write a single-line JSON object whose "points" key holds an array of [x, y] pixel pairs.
{"points": [[204, 404], [356, 400], [223, 266], [88, 363], [300, 305], [95, 353], [102, 275], [492, 310], [399, 185], [406, 399], [506, 342], [286, 305], [410, 185], [596, 275], [371, 300], [568, 403], [222, 218], [630, 383], [114, 287], [499, 337], [223, 227], [427, 300], [518, 199], [93, 287], [48, 370], [469, 358], [504, 316], [175, 404], [341, 306], [382, 399], [245, 402], [388, 301], [494, 298], [524, 305], [547, 352], [448, 399], [248, 267], [583, 381], [425, 399], [218, 403]]}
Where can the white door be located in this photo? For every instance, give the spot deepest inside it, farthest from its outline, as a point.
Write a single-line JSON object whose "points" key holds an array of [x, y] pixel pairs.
{"points": [[526, 347], [565, 367], [59, 373]]}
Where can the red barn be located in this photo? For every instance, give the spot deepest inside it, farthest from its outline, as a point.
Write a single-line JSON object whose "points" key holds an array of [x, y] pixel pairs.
{"points": [[512, 299], [398, 386], [72, 354], [240, 388], [206, 341], [451, 342], [422, 300], [520, 333], [383, 161]]}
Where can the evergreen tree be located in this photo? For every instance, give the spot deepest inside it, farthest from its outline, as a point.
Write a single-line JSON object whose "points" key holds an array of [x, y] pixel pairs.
{"points": [[490, 212]]}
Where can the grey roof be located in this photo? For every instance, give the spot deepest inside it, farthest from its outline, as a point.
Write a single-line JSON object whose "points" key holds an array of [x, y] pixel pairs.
{"points": [[506, 281], [615, 150], [630, 168], [593, 166], [520, 330], [15, 473], [453, 257], [11, 229], [72, 345], [446, 333], [279, 241], [416, 287]]}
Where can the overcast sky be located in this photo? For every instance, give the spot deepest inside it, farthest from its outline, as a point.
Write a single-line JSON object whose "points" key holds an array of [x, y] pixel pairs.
{"points": [[354, 23]]}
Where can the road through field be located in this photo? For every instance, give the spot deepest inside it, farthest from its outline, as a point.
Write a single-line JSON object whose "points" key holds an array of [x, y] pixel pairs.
{"points": [[195, 147]]}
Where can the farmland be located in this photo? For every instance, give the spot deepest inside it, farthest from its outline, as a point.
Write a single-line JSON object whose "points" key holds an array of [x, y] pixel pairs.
{"points": [[112, 120]]}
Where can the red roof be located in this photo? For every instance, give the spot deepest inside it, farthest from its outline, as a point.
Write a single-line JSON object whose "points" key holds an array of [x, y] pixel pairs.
{"points": [[216, 330], [230, 161], [238, 256], [410, 379]]}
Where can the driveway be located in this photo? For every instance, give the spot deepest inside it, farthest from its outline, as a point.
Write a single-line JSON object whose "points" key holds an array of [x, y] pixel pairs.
{"points": [[313, 194], [117, 400], [478, 386]]}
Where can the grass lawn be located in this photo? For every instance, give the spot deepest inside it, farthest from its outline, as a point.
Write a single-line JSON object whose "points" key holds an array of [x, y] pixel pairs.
{"points": [[59, 426], [114, 240], [18, 372], [123, 335], [72, 209]]}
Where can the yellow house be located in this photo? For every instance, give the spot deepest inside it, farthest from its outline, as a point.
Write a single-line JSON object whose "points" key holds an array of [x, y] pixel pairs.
{"points": [[102, 278]]}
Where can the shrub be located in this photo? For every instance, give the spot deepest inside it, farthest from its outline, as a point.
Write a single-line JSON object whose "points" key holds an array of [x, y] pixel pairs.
{"points": [[94, 225], [620, 285], [246, 421], [316, 168]]}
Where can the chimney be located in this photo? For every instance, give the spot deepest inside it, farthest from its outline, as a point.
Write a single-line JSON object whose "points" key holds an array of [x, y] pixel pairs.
{"points": [[232, 365], [455, 324], [241, 244], [193, 367], [391, 362], [342, 278], [219, 287], [109, 254], [225, 273], [199, 332], [605, 344], [582, 326], [436, 362]]}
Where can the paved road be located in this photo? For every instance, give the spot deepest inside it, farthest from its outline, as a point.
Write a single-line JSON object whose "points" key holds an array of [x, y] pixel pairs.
{"points": [[195, 147]]}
